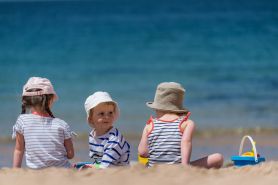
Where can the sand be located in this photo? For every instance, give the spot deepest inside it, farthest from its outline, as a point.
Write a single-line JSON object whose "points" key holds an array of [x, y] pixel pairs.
{"points": [[264, 173], [136, 174]]}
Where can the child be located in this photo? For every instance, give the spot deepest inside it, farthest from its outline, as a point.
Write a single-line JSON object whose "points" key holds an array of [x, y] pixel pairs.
{"points": [[107, 145], [167, 139], [46, 140]]}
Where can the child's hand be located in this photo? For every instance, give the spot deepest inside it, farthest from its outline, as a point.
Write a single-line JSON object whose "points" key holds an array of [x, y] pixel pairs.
{"points": [[74, 134]]}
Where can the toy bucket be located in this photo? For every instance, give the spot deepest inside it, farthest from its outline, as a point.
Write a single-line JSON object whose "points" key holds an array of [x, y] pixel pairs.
{"points": [[248, 158], [143, 160]]}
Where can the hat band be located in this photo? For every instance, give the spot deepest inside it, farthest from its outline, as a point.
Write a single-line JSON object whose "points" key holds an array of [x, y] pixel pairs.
{"points": [[35, 93], [169, 107]]}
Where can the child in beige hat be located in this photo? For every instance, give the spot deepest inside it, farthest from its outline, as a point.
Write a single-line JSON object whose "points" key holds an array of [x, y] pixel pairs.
{"points": [[167, 138]]}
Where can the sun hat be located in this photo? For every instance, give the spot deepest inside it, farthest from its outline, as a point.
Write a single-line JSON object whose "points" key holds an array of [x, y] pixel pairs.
{"points": [[97, 98], [169, 96], [43, 84]]}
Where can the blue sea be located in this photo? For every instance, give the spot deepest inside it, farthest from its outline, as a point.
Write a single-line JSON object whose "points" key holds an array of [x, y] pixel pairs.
{"points": [[224, 52]]}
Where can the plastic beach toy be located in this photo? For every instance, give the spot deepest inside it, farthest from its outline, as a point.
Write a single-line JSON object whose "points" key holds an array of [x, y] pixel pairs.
{"points": [[143, 160], [247, 158], [82, 165]]}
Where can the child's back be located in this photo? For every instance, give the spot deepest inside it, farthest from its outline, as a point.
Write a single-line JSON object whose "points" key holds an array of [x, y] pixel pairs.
{"points": [[164, 139], [46, 140], [167, 139]]}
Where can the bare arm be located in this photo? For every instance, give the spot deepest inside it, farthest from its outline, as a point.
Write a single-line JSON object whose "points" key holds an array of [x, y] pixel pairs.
{"points": [[143, 145], [186, 142], [69, 148], [18, 150]]}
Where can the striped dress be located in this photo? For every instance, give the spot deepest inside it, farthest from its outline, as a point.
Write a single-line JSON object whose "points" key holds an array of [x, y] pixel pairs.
{"points": [[110, 149], [164, 142], [44, 140]]}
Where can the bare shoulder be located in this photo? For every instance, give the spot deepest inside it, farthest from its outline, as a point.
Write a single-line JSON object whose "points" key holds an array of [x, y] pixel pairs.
{"points": [[187, 124], [149, 127]]}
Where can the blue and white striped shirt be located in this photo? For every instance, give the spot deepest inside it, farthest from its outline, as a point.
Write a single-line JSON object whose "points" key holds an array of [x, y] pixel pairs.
{"points": [[110, 149], [164, 142], [44, 140]]}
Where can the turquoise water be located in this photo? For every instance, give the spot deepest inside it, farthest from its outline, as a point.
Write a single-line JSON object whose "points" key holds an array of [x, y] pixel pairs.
{"points": [[224, 53]]}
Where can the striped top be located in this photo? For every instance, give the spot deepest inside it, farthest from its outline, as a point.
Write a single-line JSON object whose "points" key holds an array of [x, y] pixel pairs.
{"points": [[164, 141], [44, 140], [110, 149]]}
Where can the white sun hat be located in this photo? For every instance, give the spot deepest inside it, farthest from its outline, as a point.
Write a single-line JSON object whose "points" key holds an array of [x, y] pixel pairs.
{"points": [[97, 98]]}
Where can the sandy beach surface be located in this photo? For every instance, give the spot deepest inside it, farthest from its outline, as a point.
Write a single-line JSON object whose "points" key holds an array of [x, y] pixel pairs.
{"points": [[265, 173], [227, 144]]}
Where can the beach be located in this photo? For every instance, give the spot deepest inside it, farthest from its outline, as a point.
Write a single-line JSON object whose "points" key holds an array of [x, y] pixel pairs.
{"points": [[204, 143], [265, 173], [223, 52]]}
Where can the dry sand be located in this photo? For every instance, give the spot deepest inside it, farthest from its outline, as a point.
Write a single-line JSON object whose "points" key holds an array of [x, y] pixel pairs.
{"points": [[265, 173]]}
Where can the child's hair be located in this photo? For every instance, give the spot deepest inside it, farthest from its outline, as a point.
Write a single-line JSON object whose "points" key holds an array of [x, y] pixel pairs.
{"points": [[38, 92], [173, 112], [41, 101]]}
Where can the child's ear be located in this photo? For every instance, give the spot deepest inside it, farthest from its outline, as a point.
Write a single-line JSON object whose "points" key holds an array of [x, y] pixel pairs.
{"points": [[90, 120], [90, 117]]}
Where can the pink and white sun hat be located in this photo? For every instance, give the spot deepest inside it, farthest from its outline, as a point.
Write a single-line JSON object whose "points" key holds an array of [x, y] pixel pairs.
{"points": [[38, 83], [97, 98]]}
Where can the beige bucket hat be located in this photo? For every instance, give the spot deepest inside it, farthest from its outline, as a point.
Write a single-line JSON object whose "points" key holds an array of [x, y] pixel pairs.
{"points": [[169, 96]]}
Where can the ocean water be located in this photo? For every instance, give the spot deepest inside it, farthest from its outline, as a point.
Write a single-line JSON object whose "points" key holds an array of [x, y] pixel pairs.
{"points": [[224, 52]]}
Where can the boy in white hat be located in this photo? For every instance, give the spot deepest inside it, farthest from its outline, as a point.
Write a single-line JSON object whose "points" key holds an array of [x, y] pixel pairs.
{"points": [[107, 145], [167, 139]]}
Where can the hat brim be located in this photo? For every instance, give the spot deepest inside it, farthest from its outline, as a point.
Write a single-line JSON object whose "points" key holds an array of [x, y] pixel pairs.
{"points": [[117, 109], [154, 106]]}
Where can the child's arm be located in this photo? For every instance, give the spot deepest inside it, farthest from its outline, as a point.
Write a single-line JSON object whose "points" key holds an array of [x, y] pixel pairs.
{"points": [[143, 145], [186, 142], [116, 150], [69, 148], [18, 150]]}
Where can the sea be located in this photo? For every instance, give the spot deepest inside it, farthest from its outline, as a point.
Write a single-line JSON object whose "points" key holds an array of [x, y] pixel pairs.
{"points": [[224, 53]]}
